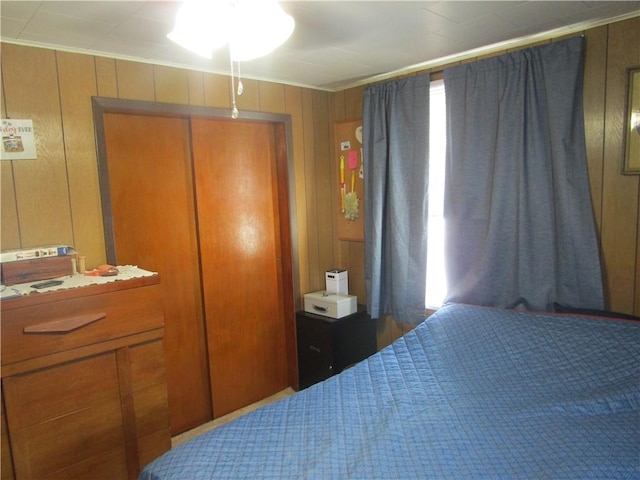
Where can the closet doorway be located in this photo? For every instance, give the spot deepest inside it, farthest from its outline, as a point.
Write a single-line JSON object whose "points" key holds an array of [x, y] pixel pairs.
{"points": [[204, 201]]}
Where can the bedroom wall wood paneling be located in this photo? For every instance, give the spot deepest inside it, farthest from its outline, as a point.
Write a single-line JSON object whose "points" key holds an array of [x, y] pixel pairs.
{"points": [[37, 97], [77, 81], [106, 78], [8, 207], [171, 85], [620, 193]]}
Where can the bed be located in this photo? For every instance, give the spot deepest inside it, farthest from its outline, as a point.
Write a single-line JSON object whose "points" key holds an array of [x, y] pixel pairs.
{"points": [[472, 392]]}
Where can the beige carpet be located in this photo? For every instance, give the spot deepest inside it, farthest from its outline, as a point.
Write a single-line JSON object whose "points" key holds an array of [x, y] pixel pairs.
{"points": [[183, 437]]}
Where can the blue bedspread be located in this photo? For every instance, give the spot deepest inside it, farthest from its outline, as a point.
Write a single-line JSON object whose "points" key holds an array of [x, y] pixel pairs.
{"points": [[473, 392]]}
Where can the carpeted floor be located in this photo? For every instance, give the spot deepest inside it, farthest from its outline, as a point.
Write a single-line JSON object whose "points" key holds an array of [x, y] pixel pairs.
{"points": [[183, 437]]}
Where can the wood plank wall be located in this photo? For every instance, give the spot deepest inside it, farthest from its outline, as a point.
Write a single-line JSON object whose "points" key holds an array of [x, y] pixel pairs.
{"points": [[610, 50], [56, 199]]}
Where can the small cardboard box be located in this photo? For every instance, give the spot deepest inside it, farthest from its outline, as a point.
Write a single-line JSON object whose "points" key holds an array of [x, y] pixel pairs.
{"points": [[36, 269], [330, 304], [32, 253]]}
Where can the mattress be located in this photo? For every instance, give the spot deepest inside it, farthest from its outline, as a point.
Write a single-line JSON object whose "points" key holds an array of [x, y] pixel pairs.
{"points": [[473, 392]]}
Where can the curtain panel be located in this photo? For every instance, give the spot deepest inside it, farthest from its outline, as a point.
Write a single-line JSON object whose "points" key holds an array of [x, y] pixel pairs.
{"points": [[395, 130], [519, 224]]}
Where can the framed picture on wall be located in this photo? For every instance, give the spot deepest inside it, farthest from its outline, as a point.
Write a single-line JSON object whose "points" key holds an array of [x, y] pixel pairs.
{"points": [[632, 124]]}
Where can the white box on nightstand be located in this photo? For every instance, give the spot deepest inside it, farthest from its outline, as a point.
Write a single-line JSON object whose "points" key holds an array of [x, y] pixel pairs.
{"points": [[330, 304]]}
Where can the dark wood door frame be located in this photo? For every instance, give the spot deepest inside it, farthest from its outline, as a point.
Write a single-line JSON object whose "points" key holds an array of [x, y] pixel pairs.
{"points": [[287, 206]]}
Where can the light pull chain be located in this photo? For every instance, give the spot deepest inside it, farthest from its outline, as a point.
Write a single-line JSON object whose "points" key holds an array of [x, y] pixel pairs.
{"points": [[234, 109], [240, 86]]}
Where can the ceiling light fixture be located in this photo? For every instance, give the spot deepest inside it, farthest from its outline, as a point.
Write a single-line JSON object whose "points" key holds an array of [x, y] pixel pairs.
{"points": [[251, 29]]}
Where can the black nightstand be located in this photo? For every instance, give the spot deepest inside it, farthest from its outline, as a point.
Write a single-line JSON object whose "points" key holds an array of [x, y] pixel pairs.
{"points": [[326, 346]]}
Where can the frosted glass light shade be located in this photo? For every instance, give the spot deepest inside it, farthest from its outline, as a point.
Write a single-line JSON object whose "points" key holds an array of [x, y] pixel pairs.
{"points": [[259, 27], [200, 26], [252, 28]]}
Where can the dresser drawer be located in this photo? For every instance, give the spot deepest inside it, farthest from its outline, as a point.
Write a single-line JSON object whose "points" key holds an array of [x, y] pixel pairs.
{"points": [[40, 329]]}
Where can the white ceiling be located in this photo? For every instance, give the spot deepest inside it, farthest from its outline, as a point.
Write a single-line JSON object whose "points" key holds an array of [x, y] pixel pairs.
{"points": [[336, 44]]}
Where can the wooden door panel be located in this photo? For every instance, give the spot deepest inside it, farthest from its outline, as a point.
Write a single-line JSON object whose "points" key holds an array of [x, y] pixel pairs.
{"points": [[151, 187], [237, 204]]}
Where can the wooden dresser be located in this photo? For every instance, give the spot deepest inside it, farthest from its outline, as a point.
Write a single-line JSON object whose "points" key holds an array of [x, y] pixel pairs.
{"points": [[83, 382]]}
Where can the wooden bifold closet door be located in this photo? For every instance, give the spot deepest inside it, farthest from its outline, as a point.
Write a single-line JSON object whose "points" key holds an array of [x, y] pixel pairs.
{"points": [[237, 205], [195, 199]]}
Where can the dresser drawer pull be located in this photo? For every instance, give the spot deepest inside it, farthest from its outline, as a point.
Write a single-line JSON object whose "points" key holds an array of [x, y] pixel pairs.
{"points": [[64, 325]]}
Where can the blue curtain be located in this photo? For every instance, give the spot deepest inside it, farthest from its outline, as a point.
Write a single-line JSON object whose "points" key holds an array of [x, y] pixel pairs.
{"points": [[518, 217], [395, 131]]}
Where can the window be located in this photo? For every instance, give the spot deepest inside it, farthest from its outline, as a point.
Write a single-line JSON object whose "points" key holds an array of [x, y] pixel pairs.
{"points": [[436, 275]]}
